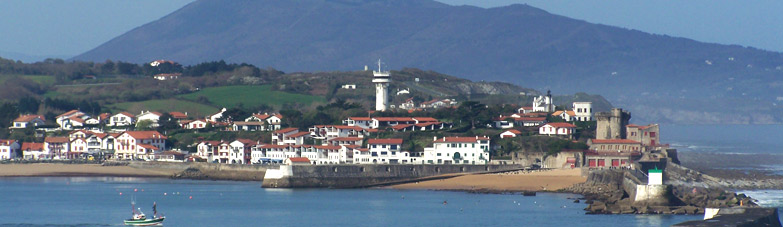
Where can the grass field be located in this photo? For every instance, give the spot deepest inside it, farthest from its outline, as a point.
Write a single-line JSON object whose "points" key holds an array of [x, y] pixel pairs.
{"points": [[250, 96], [41, 79], [165, 105]]}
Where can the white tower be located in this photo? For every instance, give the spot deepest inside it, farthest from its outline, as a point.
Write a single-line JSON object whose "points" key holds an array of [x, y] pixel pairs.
{"points": [[381, 79]]}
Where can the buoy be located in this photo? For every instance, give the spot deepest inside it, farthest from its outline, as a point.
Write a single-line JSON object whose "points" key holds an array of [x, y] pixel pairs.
{"points": [[120, 193], [135, 189], [164, 193], [191, 197]]}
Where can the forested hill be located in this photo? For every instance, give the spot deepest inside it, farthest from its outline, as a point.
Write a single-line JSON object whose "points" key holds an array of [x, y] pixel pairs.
{"points": [[517, 44]]}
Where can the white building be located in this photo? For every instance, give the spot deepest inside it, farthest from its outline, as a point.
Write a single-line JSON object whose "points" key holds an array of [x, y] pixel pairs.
{"points": [[153, 117], [122, 119], [260, 122], [583, 111], [289, 136], [557, 129], [381, 80], [139, 144], [34, 151], [57, 147], [382, 151], [216, 116], [8, 149], [543, 103], [241, 150], [62, 119], [25, 120], [457, 150]]}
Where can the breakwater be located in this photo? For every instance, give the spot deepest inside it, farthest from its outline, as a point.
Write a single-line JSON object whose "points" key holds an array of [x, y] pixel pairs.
{"points": [[203, 170], [357, 176]]}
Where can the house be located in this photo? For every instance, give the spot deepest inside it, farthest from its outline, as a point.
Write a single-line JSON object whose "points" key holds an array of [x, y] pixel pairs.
{"points": [[289, 136], [457, 150], [260, 122], [179, 115], [194, 124], [34, 151], [543, 103], [277, 153], [363, 122], [511, 133], [378, 122], [297, 161], [132, 145], [566, 115], [169, 156], [647, 135], [408, 104], [153, 117], [436, 103], [616, 145], [348, 86], [502, 122], [61, 119], [241, 150], [9, 149], [583, 111], [382, 151], [78, 148], [122, 119], [167, 76], [557, 129], [530, 121], [342, 141], [525, 109], [208, 149], [28, 120], [602, 159], [326, 132], [156, 63], [217, 116], [57, 147]]}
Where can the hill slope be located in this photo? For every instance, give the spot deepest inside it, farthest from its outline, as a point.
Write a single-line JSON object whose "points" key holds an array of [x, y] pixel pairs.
{"points": [[517, 44]]}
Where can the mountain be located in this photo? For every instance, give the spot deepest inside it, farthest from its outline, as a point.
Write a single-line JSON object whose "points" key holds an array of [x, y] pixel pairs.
{"points": [[519, 44]]}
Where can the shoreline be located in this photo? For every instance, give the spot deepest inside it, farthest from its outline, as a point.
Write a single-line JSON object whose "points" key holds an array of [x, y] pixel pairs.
{"points": [[509, 182], [79, 170]]}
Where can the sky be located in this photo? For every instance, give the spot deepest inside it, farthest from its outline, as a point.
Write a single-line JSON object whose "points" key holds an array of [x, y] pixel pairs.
{"points": [[35, 29]]}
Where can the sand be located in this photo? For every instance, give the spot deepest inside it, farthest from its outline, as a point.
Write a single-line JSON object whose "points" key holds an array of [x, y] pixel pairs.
{"points": [[547, 180], [51, 169]]}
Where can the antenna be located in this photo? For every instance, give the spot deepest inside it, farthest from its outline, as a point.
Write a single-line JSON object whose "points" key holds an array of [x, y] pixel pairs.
{"points": [[379, 65]]}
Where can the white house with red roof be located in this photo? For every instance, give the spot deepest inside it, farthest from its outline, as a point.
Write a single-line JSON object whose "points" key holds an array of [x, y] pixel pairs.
{"points": [[151, 116], [525, 109], [216, 116], [30, 119], [557, 129], [326, 132], [9, 149], [34, 151], [270, 122], [193, 124], [122, 119], [383, 151], [511, 133], [289, 136], [457, 150], [62, 118], [342, 141], [139, 144], [207, 149], [78, 148], [378, 122], [566, 115], [363, 122], [57, 147], [241, 150]]}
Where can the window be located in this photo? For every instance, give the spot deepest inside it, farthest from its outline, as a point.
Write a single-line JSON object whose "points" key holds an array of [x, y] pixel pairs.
{"points": [[438, 154], [374, 146], [393, 146], [652, 134]]}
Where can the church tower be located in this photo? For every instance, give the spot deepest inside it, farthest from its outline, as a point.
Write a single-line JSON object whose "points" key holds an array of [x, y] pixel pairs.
{"points": [[381, 80]]}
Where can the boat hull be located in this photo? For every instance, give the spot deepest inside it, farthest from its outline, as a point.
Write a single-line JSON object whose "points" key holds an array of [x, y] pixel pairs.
{"points": [[145, 222]]}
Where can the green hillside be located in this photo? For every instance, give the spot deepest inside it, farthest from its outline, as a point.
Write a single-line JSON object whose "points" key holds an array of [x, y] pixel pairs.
{"points": [[250, 96], [165, 105]]}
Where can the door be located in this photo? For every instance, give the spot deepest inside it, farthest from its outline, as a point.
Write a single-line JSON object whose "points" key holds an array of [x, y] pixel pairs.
{"points": [[592, 163], [615, 162], [601, 162]]}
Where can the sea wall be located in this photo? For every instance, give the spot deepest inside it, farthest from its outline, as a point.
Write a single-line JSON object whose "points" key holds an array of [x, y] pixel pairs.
{"points": [[653, 195], [738, 216], [204, 171], [357, 176]]}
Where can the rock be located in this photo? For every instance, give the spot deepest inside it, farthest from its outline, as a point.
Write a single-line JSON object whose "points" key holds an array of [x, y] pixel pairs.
{"points": [[576, 201]]}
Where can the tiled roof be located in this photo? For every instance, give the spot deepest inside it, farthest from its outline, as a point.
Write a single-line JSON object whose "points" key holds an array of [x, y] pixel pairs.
{"points": [[178, 115], [360, 118], [147, 146], [72, 112], [298, 134], [56, 140], [615, 141], [32, 146], [6, 142], [460, 139], [299, 159], [401, 126], [425, 119], [145, 134], [286, 130], [346, 139], [394, 119], [514, 131], [28, 118], [561, 125], [384, 141], [537, 119]]}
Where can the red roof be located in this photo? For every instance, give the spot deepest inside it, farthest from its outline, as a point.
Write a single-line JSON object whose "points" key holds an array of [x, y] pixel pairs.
{"points": [[286, 130], [384, 141], [247, 142], [28, 118], [615, 141], [360, 118], [517, 132], [424, 124], [72, 112], [561, 125], [425, 119], [6, 142], [299, 134], [299, 159], [460, 139], [56, 139], [178, 115], [126, 114], [346, 139], [400, 126], [536, 119], [328, 147], [145, 134], [33, 146], [147, 146], [394, 119], [76, 119]]}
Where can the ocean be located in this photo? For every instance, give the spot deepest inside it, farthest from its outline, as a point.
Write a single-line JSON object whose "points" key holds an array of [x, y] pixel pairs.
{"points": [[105, 201]]}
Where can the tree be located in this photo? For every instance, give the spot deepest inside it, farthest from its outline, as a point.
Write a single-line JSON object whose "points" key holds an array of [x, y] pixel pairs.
{"points": [[166, 122], [28, 104], [144, 125]]}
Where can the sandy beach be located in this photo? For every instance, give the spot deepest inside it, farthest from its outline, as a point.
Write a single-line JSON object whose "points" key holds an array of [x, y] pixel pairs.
{"points": [[52, 169], [546, 180]]}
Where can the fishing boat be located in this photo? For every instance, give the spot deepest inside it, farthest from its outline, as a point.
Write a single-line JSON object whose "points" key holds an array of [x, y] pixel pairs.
{"points": [[139, 219]]}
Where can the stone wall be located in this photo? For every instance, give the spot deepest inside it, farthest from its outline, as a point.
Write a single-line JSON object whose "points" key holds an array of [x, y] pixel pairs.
{"points": [[355, 176]]}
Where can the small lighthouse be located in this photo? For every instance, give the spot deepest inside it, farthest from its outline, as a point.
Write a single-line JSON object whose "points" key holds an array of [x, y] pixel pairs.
{"points": [[381, 80]]}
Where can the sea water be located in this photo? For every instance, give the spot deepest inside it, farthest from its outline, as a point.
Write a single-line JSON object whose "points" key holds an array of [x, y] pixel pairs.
{"points": [[106, 201]]}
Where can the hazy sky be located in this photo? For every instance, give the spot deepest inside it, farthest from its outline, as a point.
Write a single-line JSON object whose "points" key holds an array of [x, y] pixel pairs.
{"points": [[71, 27]]}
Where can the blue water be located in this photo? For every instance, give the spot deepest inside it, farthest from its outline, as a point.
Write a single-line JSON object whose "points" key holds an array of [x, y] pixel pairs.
{"points": [[96, 201]]}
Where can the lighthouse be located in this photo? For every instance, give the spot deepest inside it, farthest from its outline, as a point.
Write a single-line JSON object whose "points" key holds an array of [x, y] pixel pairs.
{"points": [[381, 80]]}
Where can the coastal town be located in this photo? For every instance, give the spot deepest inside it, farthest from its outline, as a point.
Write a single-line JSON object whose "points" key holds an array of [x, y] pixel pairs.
{"points": [[371, 139]]}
